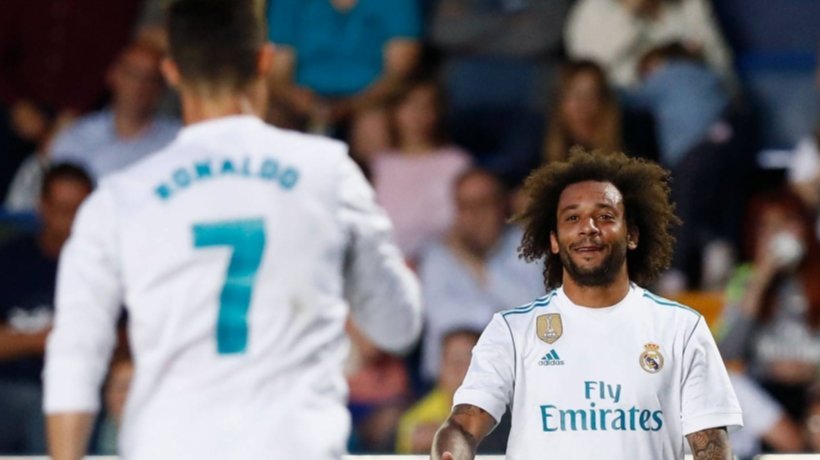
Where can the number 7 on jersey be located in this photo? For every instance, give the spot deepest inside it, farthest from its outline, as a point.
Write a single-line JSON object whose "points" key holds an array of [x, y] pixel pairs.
{"points": [[247, 239]]}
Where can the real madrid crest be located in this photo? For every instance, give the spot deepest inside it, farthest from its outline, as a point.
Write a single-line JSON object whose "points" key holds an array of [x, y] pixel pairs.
{"points": [[651, 359], [549, 327]]}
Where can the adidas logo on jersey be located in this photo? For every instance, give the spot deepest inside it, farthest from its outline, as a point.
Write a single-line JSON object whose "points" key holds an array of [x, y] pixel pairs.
{"points": [[551, 359]]}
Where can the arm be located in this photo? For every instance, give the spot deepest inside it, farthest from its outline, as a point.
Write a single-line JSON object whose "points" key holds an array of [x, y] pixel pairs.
{"points": [[401, 58], [88, 300], [383, 292], [14, 344], [68, 434], [459, 436], [710, 444]]}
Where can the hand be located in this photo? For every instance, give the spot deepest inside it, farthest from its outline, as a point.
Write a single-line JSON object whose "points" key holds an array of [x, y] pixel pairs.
{"points": [[28, 121], [302, 100]]}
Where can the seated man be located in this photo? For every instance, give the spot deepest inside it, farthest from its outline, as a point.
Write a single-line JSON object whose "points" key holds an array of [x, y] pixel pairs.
{"points": [[29, 267], [129, 129], [475, 271]]}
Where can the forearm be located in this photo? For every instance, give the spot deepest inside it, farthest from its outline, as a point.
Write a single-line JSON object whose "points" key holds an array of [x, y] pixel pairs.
{"points": [[14, 344], [453, 438], [710, 444], [68, 434]]}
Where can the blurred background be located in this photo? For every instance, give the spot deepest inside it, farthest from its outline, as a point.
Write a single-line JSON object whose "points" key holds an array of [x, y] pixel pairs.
{"points": [[447, 105]]}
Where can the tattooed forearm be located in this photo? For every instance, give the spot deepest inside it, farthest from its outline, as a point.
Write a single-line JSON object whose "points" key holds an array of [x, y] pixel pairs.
{"points": [[461, 433], [711, 444]]}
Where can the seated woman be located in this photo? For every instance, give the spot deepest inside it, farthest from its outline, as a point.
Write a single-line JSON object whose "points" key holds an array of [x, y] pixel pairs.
{"points": [[414, 179], [772, 316]]}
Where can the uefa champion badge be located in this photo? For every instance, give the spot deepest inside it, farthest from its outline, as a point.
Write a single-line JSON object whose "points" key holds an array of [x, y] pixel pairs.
{"points": [[549, 327], [651, 359]]}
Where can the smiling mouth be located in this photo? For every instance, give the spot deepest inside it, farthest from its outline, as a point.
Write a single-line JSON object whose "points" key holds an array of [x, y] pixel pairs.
{"points": [[588, 249]]}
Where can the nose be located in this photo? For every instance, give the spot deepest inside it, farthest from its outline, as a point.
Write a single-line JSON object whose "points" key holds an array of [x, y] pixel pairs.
{"points": [[588, 227]]}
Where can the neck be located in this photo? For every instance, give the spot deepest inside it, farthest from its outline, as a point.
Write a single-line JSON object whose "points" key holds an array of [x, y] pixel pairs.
{"points": [[199, 105], [597, 296], [129, 125], [50, 244], [417, 148]]}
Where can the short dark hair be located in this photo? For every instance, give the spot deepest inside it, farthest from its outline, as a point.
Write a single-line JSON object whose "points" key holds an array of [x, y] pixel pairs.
{"points": [[215, 42], [645, 189], [64, 171]]}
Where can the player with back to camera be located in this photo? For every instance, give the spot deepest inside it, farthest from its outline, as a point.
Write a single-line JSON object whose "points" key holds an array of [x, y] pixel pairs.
{"points": [[599, 367], [234, 249]]}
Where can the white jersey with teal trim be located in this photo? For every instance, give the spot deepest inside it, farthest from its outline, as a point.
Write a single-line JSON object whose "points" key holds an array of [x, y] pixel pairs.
{"points": [[236, 250], [622, 382]]}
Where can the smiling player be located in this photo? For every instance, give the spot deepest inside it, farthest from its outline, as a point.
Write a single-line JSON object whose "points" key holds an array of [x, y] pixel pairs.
{"points": [[599, 367]]}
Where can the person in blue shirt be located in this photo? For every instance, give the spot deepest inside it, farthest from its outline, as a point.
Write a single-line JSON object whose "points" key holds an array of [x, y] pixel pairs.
{"points": [[337, 60]]}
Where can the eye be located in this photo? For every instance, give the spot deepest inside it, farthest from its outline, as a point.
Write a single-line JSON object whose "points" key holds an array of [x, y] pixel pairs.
{"points": [[607, 217], [572, 218]]}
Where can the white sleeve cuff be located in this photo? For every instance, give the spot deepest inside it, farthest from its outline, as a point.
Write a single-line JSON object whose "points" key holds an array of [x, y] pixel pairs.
{"points": [[493, 406], [733, 421]]}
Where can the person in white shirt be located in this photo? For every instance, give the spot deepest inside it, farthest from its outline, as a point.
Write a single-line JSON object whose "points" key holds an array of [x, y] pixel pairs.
{"points": [[236, 250], [599, 367]]}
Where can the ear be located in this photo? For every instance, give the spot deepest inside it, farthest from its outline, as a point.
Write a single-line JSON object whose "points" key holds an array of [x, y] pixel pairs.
{"points": [[171, 72], [264, 60], [554, 248], [632, 238]]}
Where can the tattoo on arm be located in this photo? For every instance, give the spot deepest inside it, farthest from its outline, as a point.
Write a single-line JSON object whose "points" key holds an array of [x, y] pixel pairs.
{"points": [[461, 433], [710, 444]]}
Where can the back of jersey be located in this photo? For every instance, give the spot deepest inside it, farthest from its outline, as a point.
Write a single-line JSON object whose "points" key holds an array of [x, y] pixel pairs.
{"points": [[229, 249]]}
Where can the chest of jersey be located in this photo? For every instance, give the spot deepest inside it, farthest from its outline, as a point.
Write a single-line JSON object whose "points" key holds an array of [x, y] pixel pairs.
{"points": [[610, 371]]}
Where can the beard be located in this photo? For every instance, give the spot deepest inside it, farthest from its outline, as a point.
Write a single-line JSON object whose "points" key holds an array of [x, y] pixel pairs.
{"points": [[603, 274]]}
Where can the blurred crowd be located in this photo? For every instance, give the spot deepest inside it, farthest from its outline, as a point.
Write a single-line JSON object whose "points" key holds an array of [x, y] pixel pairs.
{"points": [[447, 105]]}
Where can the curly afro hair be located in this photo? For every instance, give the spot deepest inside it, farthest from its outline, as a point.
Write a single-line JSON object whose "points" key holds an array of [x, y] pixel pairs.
{"points": [[645, 189]]}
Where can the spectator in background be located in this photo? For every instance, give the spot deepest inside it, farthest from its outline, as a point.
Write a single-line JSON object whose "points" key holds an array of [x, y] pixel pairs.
{"points": [[379, 388], [698, 130], [804, 171], [764, 421], [616, 33], [811, 424], [419, 424], [414, 179], [498, 61], [29, 268], [339, 60], [475, 271], [130, 128], [772, 317], [54, 56], [586, 113]]}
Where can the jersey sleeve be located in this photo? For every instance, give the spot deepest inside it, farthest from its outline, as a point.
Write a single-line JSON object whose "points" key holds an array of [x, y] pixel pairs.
{"points": [[490, 378], [707, 397], [383, 292], [88, 299], [402, 19]]}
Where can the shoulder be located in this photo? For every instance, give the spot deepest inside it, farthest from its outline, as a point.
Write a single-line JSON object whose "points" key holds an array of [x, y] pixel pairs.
{"points": [[664, 307], [92, 125], [527, 310]]}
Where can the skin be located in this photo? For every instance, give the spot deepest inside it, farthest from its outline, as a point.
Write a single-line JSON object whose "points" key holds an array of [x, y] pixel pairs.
{"points": [[68, 432], [592, 230], [581, 107]]}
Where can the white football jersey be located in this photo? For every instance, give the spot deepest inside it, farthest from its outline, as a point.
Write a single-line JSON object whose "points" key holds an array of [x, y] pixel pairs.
{"points": [[235, 250], [622, 382]]}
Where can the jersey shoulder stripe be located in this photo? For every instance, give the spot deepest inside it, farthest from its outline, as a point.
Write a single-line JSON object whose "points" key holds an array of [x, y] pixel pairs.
{"points": [[664, 302], [538, 303]]}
